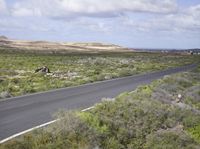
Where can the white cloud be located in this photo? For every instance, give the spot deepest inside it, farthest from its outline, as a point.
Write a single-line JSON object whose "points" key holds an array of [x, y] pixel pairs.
{"points": [[184, 20], [3, 7], [98, 8], [93, 25], [133, 21], [187, 19], [92, 7]]}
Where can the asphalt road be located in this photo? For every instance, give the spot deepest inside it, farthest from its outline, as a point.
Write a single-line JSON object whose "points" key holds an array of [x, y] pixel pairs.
{"points": [[22, 113]]}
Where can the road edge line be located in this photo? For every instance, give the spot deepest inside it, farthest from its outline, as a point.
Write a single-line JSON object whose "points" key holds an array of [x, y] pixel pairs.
{"points": [[36, 127]]}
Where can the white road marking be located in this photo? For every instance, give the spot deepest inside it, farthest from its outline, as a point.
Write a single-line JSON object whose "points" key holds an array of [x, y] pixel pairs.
{"points": [[48, 123], [87, 109], [37, 127]]}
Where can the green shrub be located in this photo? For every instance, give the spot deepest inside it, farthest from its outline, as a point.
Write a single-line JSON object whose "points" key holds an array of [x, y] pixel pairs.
{"points": [[112, 143], [135, 120], [195, 132], [94, 122], [93, 66], [170, 140]]}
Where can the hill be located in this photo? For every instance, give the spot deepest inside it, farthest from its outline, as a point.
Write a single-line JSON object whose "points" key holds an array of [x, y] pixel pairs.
{"points": [[60, 47], [3, 38]]}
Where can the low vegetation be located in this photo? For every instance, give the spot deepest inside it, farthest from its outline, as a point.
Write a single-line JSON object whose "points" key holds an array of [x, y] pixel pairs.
{"points": [[148, 118], [18, 77], [186, 85]]}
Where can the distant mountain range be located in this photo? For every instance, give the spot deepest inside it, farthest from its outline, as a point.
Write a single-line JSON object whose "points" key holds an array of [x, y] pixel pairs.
{"points": [[46, 46], [195, 50]]}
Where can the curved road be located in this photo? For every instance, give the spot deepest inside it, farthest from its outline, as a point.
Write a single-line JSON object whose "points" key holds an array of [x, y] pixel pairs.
{"points": [[22, 113]]}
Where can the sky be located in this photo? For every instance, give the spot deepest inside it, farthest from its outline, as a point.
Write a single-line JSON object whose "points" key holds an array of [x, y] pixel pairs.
{"points": [[172, 24]]}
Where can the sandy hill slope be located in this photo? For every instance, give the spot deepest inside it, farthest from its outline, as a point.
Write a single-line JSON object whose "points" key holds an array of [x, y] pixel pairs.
{"points": [[45, 46], [3, 38]]}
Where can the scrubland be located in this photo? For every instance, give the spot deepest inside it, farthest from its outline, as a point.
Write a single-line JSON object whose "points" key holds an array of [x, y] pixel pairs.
{"points": [[149, 117], [18, 77]]}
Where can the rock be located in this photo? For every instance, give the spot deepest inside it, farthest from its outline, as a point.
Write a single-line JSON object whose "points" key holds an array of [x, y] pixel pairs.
{"points": [[108, 99], [178, 100], [124, 61], [5, 94], [72, 75], [108, 77], [178, 128], [179, 96], [44, 69]]}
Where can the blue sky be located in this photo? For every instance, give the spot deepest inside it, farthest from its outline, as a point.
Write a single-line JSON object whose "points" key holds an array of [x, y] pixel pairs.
{"points": [[130, 23]]}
